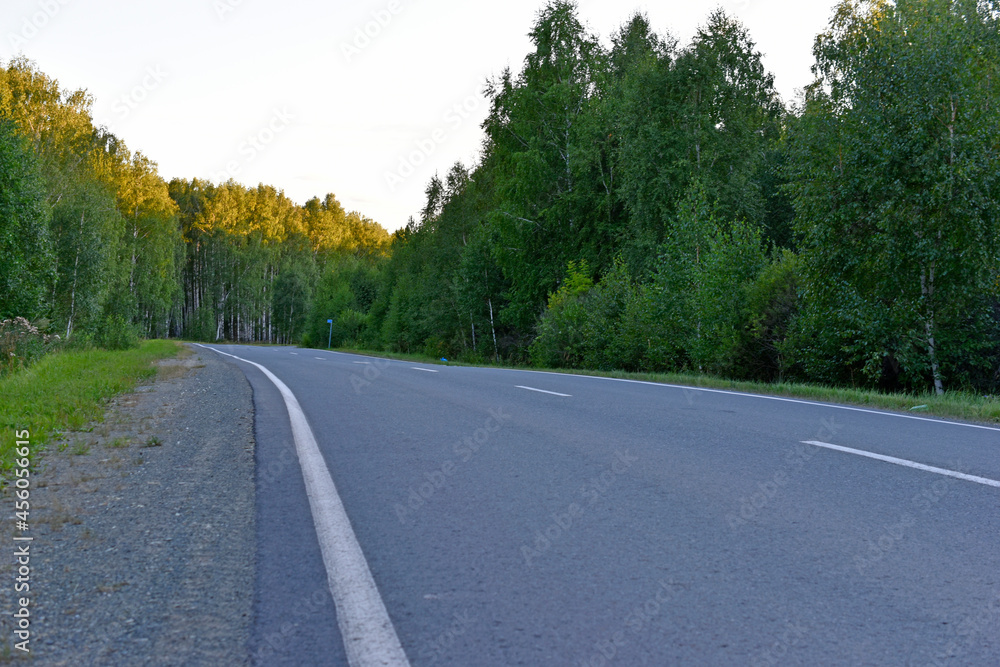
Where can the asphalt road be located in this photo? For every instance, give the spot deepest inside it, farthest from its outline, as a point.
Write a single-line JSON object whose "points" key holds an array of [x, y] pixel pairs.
{"points": [[610, 522]]}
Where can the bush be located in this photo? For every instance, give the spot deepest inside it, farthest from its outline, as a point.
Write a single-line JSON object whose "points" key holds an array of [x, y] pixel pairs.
{"points": [[336, 299], [763, 352], [436, 347], [650, 334], [562, 334], [350, 324], [116, 333], [721, 310], [604, 307], [22, 343]]}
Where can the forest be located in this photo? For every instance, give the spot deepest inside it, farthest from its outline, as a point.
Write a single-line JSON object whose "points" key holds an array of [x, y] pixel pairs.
{"points": [[97, 249], [641, 204]]}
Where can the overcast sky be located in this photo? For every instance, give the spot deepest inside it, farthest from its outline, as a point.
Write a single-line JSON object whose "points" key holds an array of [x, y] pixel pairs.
{"points": [[365, 99]]}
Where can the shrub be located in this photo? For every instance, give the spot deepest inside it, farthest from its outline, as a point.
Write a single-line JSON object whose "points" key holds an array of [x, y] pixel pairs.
{"points": [[116, 333], [350, 324], [562, 333], [21, 343]]}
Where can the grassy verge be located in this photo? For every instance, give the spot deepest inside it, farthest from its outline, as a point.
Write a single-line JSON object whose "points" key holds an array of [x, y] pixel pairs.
{"points": [[954, 404], [67, 390]]}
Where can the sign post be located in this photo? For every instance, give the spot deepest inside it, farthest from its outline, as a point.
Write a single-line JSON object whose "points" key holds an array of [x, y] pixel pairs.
{"points": [[329, 339]]}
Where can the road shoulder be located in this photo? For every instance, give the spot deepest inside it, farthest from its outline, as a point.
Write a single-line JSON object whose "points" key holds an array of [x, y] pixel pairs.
{"points": [[144, 527]]}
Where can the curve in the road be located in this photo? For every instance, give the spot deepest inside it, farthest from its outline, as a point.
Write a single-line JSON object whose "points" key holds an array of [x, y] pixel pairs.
{"points": [[369, 636]]}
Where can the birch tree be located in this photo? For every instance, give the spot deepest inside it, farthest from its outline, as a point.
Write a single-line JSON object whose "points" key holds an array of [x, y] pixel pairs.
{"points": [[896, 189]]}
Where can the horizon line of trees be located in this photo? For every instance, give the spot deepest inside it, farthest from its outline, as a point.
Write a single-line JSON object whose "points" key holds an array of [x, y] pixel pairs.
{"points": [[646, 205], [96, 247], [654, 206]]}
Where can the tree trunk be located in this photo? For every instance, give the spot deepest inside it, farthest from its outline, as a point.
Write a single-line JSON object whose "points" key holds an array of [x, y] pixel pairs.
{"points": [[927, 289], [72, 294], [496, 349]]}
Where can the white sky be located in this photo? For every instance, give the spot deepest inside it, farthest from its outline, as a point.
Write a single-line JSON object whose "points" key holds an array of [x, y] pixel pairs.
{"points": [[279, 92]]}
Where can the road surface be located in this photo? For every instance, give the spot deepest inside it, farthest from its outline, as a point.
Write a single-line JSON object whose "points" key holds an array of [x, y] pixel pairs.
{"points": [[521, 518]]}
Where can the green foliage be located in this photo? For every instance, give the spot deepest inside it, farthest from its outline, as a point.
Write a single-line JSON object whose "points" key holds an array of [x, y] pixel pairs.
{"points": [[253, 259], [26, 258], [647, 206], [696, 312], [292, 296], [562, 333], [764, 352], [401, 328], [576, 283], [893, 166], [22, 343], [722, 313], [94, 239], [201, 325], [344, 294], [547, 155], [115, 332], [705, 114], [87, 231], [606, 305]]}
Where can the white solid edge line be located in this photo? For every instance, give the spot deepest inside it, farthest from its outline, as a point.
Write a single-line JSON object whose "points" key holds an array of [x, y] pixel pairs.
{"points": [[762, 396], [783, 399], [543, 391], [369, 636], [908, 464]]}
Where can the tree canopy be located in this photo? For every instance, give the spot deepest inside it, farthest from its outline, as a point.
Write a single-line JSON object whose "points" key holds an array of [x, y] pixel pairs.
{"points": [[639, 203], [95, 243], [654, 205]]}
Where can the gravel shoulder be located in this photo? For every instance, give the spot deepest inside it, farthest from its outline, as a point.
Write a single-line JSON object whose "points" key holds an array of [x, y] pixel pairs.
{"points": [[144, 528]]}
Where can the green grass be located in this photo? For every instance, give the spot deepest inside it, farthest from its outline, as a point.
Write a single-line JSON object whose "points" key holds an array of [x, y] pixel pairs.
{"points": [[402, 356], [954, 404], [66, 390], [957, 404]]}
